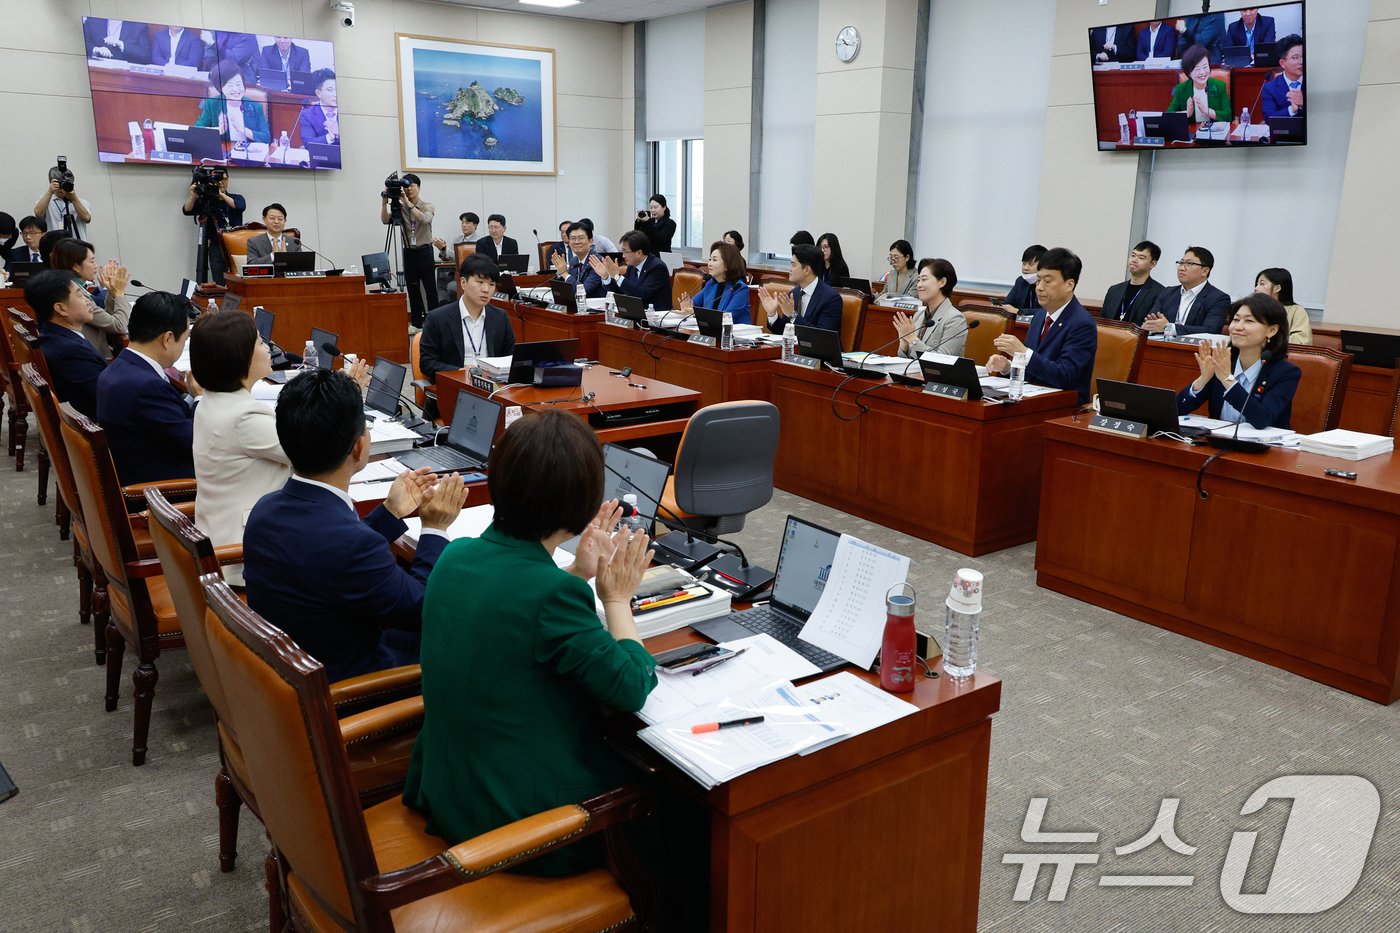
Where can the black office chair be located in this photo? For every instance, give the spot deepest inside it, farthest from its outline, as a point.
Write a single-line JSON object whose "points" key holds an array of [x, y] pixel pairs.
{"points": [[724, 467]]}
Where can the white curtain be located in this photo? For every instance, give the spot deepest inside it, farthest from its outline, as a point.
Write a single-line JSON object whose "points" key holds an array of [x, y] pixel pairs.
{"points": [[789, 122], [675, 67]]}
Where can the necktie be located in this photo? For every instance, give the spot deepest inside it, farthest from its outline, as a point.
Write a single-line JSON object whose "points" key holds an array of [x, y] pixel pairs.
{"points": [[1044, 330], [1294, 85], [34, 255], [797, 304]]}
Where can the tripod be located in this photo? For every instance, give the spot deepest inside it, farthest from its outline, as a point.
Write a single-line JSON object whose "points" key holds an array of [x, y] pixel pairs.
{"points": [[207, 254], [70, 223], [395, 255]]}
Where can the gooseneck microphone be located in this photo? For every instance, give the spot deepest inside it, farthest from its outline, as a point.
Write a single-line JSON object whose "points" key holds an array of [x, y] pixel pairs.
{"points": [[409, 422]]}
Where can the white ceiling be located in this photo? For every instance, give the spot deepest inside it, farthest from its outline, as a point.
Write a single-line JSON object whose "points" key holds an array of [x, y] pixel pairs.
{"points": [[612, 11]]}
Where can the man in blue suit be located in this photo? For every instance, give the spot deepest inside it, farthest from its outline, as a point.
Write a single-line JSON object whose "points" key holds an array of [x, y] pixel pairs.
{"points": [[812, 302], [1250, 30], [312, 567], [63, 306], [1207, 30], [1156, 40], [645, 277], [574, 266], [320, 122], [150, 427], [178, 45], [284, 56], [1062, 338], [1197, 307], [1283, 96], [123, 40]]}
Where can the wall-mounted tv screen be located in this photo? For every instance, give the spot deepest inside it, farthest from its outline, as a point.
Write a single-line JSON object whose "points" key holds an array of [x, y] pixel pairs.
{"points": [[180, 95], [1202, 81]]}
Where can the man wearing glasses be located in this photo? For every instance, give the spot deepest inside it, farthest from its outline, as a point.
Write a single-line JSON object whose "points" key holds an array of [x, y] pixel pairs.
{"points": [[1197, 307]]}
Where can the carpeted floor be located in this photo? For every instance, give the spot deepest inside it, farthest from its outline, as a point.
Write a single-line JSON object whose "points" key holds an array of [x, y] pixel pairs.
{"points": [[1103, 715]]}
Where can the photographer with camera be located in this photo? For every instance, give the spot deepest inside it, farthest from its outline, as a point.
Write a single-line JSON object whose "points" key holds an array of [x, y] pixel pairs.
{"points": [[401, 206], [213, 209], [60, 206]]}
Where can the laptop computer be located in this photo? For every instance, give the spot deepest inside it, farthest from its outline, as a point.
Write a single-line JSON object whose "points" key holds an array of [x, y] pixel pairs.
{"points": [[1172, 127], [531, 353], [710, 321], [505, 285], [1236, 56], [563, 294], [1285, 129], [627, 471], [319, 338], [1152, 405], [630, 308], [323, 155], [469, 439], [200, 142], [385, 384], [263, 320], [21, 271], [825, 345], [1266, 54], [303, 83], [804, 563], [300, 261], [518, 263], [1371, 349], [861, 285], [962, 372]]}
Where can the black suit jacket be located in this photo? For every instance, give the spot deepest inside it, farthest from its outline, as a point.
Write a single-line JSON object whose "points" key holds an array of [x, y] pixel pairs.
{"points": [[20, 253], [487, 247], [73, 364], [298, 59], [1022, 296], [136, 39], [1146, 297], [1270, 401], [443, 348], [1124, 42], [1207, 314], [330, 581], [651, 283], [824, 310], [150, 429]]}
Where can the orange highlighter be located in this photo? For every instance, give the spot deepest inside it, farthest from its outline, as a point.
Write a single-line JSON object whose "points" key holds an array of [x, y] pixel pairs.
{"points": [[716, 726]]}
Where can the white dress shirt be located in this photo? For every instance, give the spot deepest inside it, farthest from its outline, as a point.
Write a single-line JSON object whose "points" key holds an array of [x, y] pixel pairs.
{"points": [[473, 334], [1188, 298]]}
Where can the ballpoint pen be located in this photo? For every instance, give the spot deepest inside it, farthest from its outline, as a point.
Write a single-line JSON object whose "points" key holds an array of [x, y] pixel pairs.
{"points": [[717, 661]]}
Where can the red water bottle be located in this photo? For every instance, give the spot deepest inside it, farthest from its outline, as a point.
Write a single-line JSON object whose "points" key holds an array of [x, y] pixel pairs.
{"points": [[898, 658]]}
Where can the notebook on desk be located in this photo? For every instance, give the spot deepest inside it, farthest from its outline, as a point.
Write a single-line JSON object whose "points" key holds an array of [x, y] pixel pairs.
{"points": [[804, 563]]}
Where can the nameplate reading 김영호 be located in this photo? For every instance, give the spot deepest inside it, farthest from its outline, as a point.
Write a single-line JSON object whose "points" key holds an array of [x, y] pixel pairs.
{"points": [[700, 341], [810, 362], [945, 390], [1113, 425]]}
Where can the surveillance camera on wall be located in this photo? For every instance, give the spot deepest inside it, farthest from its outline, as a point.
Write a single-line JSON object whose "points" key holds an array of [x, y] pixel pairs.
{"points": [[346, 11]]}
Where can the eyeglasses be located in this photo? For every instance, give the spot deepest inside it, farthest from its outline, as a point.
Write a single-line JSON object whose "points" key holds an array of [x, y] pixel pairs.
{"points": [[1190, 262]]}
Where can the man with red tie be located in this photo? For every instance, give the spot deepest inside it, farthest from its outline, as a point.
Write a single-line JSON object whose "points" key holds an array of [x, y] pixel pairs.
{"points": [[1062, 338], [149, 424]]}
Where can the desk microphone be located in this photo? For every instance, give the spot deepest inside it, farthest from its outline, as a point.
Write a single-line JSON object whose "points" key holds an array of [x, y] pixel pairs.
{"points": [[971, 325], [1233, 442], [410, 421]]}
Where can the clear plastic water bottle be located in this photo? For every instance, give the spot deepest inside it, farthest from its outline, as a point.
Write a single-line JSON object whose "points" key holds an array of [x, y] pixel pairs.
{"points": [[581, 300], [310, 359], [651, 318], [726, 331], [960, 626], [138, 141], [1124, 137], [609, 310], [211, 306], [633, 523], [1018, 377], [284, 140], [789, 342]]}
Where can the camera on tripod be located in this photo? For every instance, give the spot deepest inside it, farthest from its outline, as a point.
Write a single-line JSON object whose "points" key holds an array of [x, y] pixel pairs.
{"points": [[61, 174], [207, 179], [393, 191]]}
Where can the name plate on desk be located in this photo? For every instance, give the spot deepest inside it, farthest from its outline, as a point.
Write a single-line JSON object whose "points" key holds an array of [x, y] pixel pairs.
{"points": [[945, 390], [558, 308], [501, 296], [1111, 425], [700, 341], [160, 155], [807, 362], [624, 323], [1149, 140]]}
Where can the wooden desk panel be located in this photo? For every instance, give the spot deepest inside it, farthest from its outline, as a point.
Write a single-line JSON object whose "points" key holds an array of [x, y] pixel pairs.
{"points": [[1118, 92], [1281, 563], [961, 474], [532, 322], [367, 325], [14, 298], [718, 375]]}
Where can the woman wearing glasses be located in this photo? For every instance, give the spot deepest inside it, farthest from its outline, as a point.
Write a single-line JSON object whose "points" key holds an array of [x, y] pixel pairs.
{"points": [[903, 277]]}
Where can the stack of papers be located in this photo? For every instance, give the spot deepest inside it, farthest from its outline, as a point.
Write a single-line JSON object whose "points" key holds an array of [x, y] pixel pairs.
{"points": [[1279, 437], [670, 618], [373, 481], [1348, 445], [796, 720], [495, 368], [390, 437], [1217, 130], [765, 662], [868, 360]]}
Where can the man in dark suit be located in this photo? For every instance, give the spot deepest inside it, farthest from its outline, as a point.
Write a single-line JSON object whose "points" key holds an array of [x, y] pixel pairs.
{"points": [[1250, 30], [1112, 43], [150, 427], [275, 240], [1156, 40], [1062, 338], [811, 303], [31, 230], [573, 266], [645, 276], [320, 122], [63, 306], [123, 40], [312, 567], [237, 47], [1197, 307], [283, 56], [496, 244], [178, 45], [1139, 290], [468, 328]]}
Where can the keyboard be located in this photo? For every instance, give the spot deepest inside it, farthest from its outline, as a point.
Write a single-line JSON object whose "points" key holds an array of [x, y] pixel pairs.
{"points": [[444, 459], [762, 619]]}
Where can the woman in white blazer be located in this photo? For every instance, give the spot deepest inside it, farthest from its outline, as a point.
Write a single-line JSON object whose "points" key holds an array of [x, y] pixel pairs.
{"points": [[237, 457], [937, 327]]}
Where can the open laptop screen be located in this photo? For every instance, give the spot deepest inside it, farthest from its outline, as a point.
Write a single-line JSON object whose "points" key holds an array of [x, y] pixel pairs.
{"points": [[804, 563], [319, 338], [385, 384], [474, 424]]}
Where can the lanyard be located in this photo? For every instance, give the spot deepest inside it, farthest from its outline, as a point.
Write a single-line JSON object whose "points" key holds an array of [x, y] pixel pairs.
{"points": [[467, 331]]}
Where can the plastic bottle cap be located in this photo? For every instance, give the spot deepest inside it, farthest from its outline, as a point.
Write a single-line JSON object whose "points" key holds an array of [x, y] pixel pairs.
{"points": [[966, 593]]}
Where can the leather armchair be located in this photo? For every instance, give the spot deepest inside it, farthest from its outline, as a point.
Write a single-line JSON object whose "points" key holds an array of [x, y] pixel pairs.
{"points": [[853, 305], [1317, 405], [19, 407], [24, 345], [685, 282], [981, 340], [1119, 356]]}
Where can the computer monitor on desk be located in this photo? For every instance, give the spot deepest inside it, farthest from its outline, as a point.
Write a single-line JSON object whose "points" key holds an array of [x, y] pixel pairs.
{"points": [[1171, 127], [201, 143], [300, 261], [518, 263], [377, 270], [1371, 349], [532, 353]]}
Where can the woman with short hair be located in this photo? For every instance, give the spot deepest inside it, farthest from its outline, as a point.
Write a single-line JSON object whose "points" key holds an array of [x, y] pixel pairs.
{"points": [[107, 285], [1237, 382], [937, 327], [903, 277], [726, 286]]}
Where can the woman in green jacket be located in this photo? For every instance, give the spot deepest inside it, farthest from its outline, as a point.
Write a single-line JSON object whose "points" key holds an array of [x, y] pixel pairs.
{"points": [[516, 665], [240, 120], [1205, 99]]}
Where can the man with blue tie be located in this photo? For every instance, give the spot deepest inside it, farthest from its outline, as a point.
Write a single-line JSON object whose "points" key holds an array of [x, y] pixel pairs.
{"points": [[645, 276], [1283, 96], [1062, 338], [811, 303], [1197, 307], [31, 229], [312, 567], [1250, 30], [149, 425], [63, 306], [574, 266]]}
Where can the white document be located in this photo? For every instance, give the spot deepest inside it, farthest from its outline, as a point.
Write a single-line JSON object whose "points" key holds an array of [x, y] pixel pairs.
{"points": [[1003, 384], [265, 391], [766, 662], [1201, 421], [857, 705], [1282, 437], [469, 524], [390, 431], [849, 620], [874, 359]]}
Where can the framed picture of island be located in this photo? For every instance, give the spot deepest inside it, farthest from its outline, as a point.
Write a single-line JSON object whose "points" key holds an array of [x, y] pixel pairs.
{"points": [[475, 106]]}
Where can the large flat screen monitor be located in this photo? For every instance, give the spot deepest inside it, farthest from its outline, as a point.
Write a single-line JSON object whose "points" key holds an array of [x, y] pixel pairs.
{"points": [[1211, 80], [180, 95]]}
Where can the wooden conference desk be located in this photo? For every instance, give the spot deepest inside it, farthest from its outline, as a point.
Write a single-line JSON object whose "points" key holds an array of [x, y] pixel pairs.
{"points": [[1281, 563], [531, 322], [718, 375], [13, 298], [613, 394], [965, 475], [368, 325]]}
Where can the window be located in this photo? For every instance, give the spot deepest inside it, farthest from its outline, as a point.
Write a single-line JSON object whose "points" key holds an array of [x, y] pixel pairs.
{"points": [[678, 169]]}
